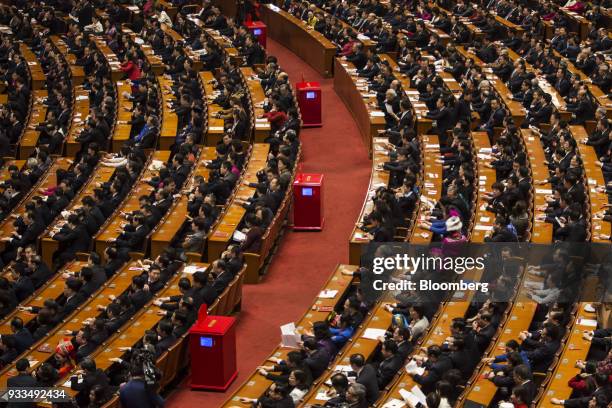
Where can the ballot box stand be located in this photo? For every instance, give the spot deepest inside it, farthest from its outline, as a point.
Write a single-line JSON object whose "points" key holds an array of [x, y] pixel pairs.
{"points": [[308, 202], [259, 31], [309, 101], [212, 347]]}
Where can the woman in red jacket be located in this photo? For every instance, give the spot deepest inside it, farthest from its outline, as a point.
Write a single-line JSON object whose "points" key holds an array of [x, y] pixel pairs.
{"points": [[276, 117], [131, 68]]}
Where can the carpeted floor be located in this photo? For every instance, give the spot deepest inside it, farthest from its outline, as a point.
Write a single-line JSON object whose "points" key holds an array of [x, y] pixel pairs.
{"points": [[304, 259]]}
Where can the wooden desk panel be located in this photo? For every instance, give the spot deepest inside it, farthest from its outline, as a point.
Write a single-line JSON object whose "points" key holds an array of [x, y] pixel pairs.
{"points": [[542, 231], [216, 126], [378, 178], [257, 96], [123, 127], [594, 177], [38, 114], [484, 220], [36, 73], [355, 94], [312, 47], [169, 120], [256, 385], [431, 189], [80, 113], [220, 237]]}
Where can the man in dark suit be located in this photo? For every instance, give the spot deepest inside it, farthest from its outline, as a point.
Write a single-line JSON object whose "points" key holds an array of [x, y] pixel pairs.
{"points": [[443, 117], [22, 380], [435, 367], [496, 119], [92, 376], [133, 234], [167, 339], [392, 362], [358, 58], [369, 71], [541, 111], [366, 376], [135, 392], [484, 331], [72, 297], [22, 284], [23, 337], [315, 357], [73, 238], [543, 351], [222, 276]]}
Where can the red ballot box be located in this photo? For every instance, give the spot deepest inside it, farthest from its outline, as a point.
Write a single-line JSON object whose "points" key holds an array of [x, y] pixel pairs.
{"points": [[212, 344], [259, 31], [309, 100], [308, 202]]}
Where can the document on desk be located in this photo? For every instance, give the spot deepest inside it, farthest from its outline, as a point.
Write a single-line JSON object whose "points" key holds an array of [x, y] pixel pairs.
{"points": [[289, 338], [587, 322], [191, 269], [328, 294], [414, 396], [373, 334], [377, 114], [413, 368]]}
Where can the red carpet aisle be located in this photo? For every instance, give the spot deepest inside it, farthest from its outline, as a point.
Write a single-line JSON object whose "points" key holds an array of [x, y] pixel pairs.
{"points": [[305, 259]]}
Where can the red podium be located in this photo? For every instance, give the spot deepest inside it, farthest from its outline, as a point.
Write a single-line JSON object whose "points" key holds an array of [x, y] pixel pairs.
{"points": [[308, 202], [309, 100], [259, 30], [212, 344]]}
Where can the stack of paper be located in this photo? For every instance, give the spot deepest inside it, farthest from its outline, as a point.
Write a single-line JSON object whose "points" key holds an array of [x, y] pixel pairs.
{"points": [[414, 396], [587, 322], [373, 334], [289, 337]]}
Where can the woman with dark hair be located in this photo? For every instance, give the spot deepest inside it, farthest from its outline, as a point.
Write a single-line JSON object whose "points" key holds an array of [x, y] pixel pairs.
{"points": [[299, 386]]}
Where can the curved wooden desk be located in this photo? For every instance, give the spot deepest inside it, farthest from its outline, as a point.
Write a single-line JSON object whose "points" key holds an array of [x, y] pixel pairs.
{"points": [[294, 34]]}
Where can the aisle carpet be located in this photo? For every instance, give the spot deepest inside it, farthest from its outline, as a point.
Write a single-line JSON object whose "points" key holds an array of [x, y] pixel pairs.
{"points": [[304, 260]]}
